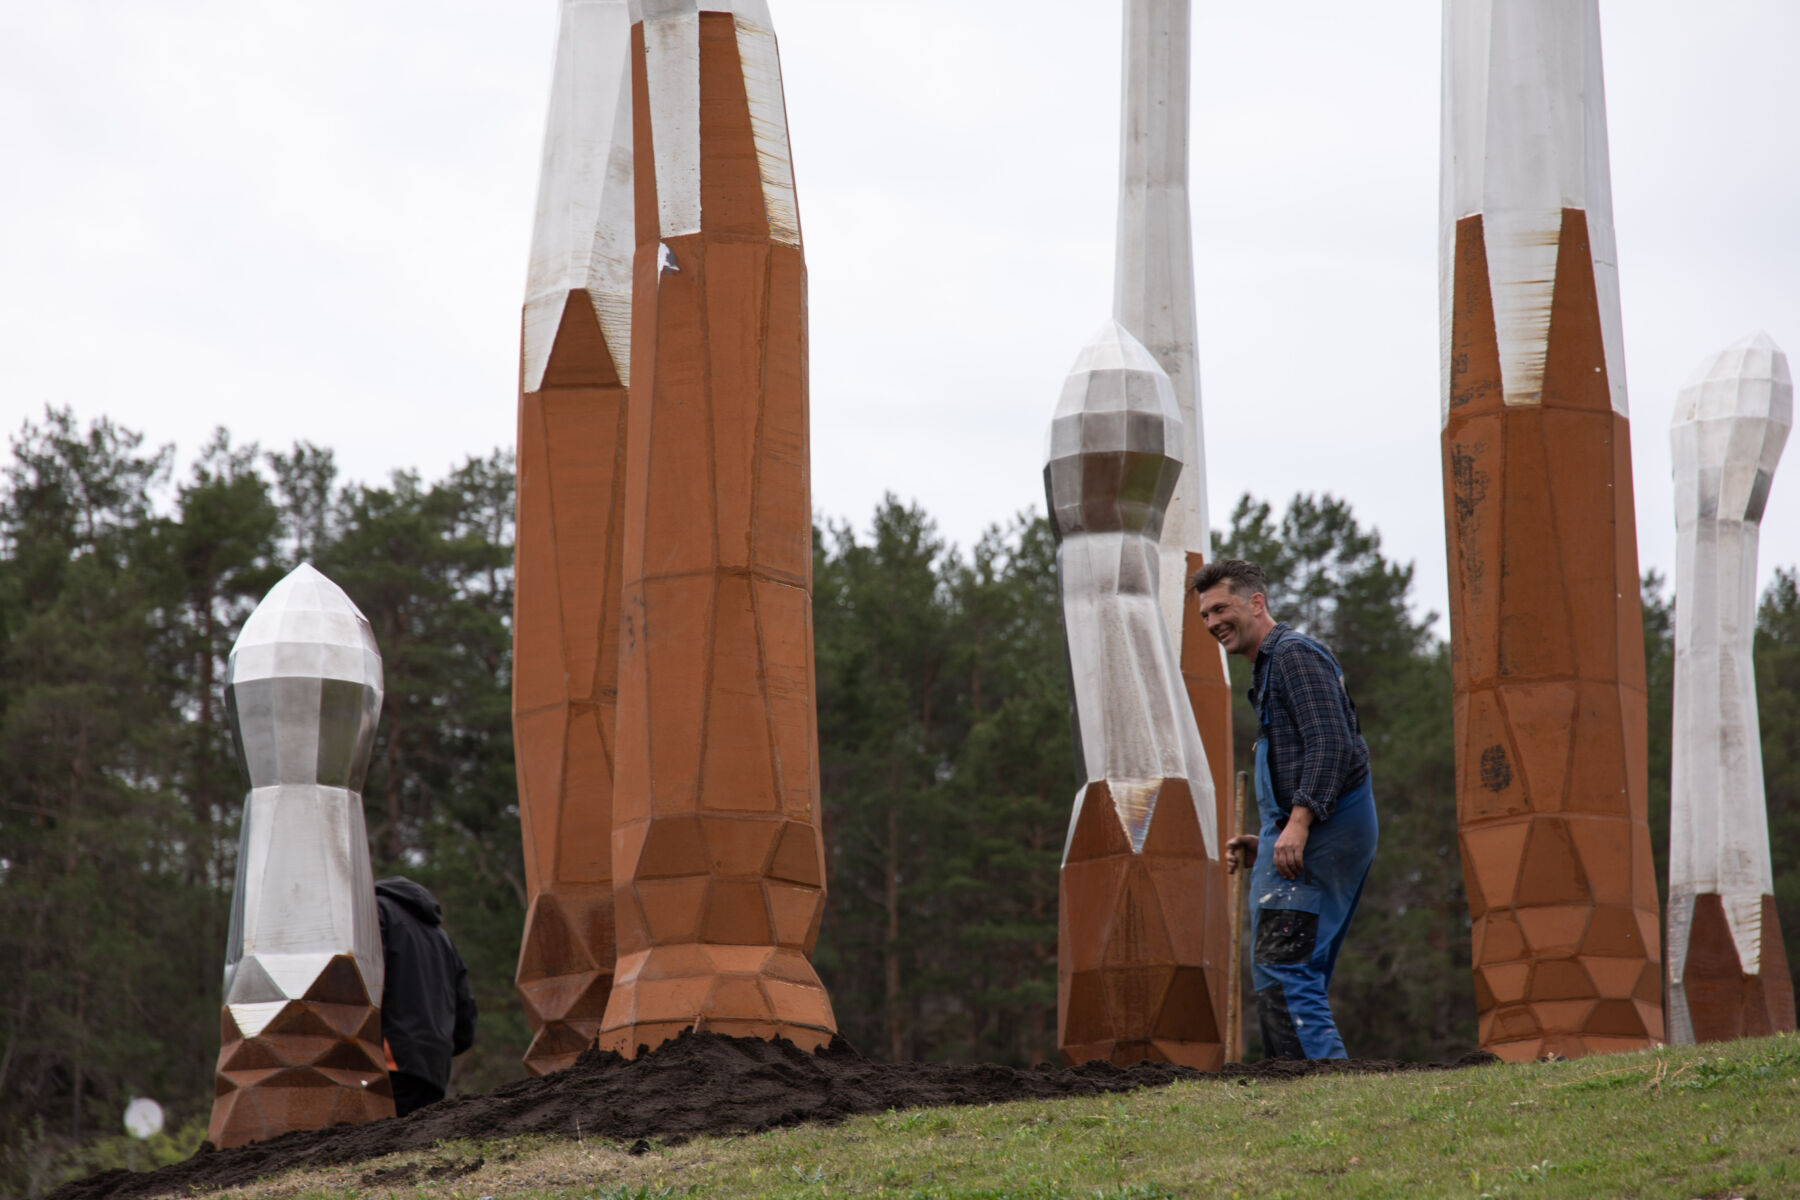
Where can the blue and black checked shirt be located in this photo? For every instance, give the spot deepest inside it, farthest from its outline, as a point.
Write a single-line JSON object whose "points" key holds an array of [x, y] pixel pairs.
{"points": [[1316, 749]]}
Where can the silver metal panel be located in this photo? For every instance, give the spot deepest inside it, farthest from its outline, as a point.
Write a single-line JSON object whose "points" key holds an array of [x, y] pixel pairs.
{"points": [[304, 688], [1153, 285]]}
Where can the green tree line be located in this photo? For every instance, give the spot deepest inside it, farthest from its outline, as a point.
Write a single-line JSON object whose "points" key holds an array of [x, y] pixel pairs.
{"points": [[946, 762]]}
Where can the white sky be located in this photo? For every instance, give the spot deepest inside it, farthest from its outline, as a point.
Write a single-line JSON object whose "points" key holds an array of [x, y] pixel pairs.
{"points": [[311, 221]]}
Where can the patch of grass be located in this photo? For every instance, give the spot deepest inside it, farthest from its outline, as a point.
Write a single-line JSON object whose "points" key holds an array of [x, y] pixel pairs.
{"points": [[1692, 1122]]}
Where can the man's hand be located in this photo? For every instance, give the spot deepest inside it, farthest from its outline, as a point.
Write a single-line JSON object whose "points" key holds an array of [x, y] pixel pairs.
{"points": [[1240, 853], [1290, 847]]}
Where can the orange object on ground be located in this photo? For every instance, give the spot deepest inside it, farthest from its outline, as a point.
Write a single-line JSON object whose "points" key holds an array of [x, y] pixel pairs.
{"points": [[1548, 668], [1546, 621], [1139, 977], [565, 686], [1208, 684], [575, 366], [718, 860]]}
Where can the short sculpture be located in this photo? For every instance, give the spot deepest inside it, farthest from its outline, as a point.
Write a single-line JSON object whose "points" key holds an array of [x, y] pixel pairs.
{"points": [[1728, 972], [1153, 298], [719, 867], [301, 1028], [1137, 976], [1546, 625], [575, 368]]}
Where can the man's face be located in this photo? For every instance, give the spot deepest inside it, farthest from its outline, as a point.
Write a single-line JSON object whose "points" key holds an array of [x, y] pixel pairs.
{"points": [[1231, 618]]}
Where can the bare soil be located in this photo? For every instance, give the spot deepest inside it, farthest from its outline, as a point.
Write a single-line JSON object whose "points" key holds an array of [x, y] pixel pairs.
{"points": [[699, 1084]]}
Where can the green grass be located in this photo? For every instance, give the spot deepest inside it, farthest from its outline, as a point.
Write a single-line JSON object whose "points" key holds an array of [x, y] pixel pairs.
{"points": [[1715, 1121]]}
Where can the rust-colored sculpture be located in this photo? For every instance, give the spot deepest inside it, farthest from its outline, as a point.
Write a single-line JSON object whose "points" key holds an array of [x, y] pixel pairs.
{"points": [[575, 366], [1138, 976], [1546, 624], [1208, 686], [300, 1032], [716, 848]]}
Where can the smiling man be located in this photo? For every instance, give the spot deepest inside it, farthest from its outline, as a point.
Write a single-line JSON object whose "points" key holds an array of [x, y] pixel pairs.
{"points": [[1316, 804]]}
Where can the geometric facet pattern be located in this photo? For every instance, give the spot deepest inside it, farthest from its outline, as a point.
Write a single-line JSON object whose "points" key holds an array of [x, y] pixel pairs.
{"points": [[1731, 423], [1546, 625], [717, 857], [301, 1028], [1135, 978], [1137, 975], [574, 364]]}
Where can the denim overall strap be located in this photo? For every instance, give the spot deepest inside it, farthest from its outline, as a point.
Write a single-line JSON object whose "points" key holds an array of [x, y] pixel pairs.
{"points": [[1298, 925]]}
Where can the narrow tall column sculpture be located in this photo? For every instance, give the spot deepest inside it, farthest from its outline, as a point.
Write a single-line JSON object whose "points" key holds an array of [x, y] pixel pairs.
{"points": [[719, 865], [1137, 976], [1546, 625], [301, 1027], [575, 367], [1728, 971], [1153, 298]]}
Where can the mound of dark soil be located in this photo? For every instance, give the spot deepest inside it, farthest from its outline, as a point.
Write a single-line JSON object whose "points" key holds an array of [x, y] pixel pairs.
{"points": [[698, 1084]]}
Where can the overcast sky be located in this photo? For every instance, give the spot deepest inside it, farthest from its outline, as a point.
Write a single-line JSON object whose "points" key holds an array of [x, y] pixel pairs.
{"points": [[310, 222]]}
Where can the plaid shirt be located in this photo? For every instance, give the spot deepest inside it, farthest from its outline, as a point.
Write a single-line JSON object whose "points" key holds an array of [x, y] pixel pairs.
{"points": [[1316, 750]]}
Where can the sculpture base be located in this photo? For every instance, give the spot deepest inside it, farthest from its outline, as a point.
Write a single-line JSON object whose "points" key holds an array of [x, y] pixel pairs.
{"points": [[1200, 1055], [311, 1066], [1715, 1000], [1137, 976], [762, 992], [571, 927]]}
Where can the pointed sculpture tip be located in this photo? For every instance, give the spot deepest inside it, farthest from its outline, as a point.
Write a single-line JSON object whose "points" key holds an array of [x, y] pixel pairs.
{"points": [[321, 592], [1736, 360], [1114, 347], [306, 573], [1748, 378]]}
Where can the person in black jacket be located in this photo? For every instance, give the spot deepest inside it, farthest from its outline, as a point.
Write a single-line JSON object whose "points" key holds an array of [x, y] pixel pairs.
{"points": [[427, 1009]]}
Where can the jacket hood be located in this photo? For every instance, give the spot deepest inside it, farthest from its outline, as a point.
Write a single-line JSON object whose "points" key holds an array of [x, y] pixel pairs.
{"points": [[414, 896]]}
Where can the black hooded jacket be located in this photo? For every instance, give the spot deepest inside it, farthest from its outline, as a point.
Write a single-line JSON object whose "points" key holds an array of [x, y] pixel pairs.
{"points": [[427, 1009]]}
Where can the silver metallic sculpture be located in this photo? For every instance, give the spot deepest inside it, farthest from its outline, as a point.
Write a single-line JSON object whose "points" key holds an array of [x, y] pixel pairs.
{"points": [[1153, 283], [1111, 469], [301, 1029], [1135, 976], [1727, 971]]}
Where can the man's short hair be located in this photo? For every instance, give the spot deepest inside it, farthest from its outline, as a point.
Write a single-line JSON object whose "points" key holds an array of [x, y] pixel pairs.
{"points": [[1246, 578]]}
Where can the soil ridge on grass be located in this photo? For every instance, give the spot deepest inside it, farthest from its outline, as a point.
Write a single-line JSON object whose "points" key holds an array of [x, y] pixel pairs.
{"points": [[698, 1084]]}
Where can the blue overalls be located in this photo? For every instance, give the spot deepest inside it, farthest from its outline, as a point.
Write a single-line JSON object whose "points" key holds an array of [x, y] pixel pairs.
{"points": [[1298, 925]]}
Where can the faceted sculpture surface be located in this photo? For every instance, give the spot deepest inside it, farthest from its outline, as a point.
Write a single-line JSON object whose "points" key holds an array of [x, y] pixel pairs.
{"points": [[1546, 626], [1728, 971], [1137, 976], [719, 866], [301, 1027], [575, 367], [1153, 298]]}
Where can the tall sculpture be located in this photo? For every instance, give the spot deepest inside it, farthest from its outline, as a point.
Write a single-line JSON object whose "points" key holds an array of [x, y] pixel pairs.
{"points": [[1728, 971], [575, 367], [1137, 976], [1153, 298], [1546, 627], [719, 867], [301, 1027]]}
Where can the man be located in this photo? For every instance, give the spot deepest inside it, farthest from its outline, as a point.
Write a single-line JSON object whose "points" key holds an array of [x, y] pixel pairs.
{"points": [[427, 1009], [1317, 807]]}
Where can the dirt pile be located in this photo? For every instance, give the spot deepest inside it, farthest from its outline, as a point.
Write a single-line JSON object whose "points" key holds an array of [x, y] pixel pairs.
{"points": [[698, 1084]]}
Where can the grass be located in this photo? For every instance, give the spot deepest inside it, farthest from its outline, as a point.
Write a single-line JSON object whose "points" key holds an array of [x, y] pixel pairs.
{"points": [[1713, 1121]]}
